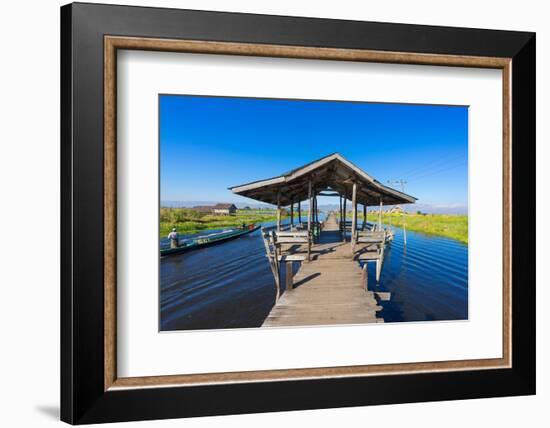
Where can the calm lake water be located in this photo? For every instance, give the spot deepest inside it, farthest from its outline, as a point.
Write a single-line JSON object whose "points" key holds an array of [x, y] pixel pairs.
{"points": [[231, 285]]}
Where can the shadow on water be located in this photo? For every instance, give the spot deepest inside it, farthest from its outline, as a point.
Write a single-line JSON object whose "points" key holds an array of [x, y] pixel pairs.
{"points": [[231, 285]]}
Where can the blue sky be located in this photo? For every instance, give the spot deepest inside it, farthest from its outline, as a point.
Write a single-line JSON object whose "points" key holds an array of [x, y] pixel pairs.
{"points": [[208, 144]]}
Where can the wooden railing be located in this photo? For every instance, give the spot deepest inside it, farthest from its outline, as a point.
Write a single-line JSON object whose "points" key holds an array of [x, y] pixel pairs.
{"points": [[278, 246], [374, 251]]}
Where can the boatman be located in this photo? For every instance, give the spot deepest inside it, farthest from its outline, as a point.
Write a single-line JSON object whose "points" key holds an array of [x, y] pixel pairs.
{"points": [[173, 237]]}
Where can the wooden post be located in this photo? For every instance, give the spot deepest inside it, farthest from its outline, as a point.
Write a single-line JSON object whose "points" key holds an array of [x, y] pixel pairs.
{"points": [[344, 219], [276, 265], [365, 275], [353, 216], [356, 219], [380, 259], [272, 257], [288, 273], [380, 216], [340, 219], [310, 207], [404, 228], [316, 213], [309, 222], [292, 213], [278, 211], [299, 212], [317, 208], [364, 217]]}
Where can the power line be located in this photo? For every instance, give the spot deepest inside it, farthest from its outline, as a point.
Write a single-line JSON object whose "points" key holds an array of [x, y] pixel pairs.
{"points": [[398, 182], [438, 171], [435, 164], [416, 168]]}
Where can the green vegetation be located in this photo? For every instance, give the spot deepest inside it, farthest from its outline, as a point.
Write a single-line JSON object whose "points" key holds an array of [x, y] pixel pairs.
{"points": [[450, 226], [188, 221]]}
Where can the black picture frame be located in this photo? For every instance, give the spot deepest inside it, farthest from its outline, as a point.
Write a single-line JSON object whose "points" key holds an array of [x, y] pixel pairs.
{"points": [[83, 398]]}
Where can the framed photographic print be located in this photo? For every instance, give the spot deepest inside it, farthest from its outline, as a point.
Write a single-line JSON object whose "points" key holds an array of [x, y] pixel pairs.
{"points": [[265, 213]]}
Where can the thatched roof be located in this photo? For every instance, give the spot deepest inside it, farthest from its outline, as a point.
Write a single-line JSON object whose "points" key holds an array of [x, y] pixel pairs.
{"points": [[331, 172]]}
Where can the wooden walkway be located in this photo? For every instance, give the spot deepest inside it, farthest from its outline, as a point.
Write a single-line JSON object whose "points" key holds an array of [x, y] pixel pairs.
{"points": [[327, 290]]}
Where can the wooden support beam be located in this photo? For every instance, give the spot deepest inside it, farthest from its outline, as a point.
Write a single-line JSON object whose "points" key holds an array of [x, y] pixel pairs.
{"points": [[340, 219], [299, 212], [292, 213], [344, 219], [353, 216], [380, 260], [310, 206], [317, 208], [380, 215], [309, 237], [316, 213], [272, 255], [404, 227], [365, 276], [278, 211], [364, 217], [288, 274]]}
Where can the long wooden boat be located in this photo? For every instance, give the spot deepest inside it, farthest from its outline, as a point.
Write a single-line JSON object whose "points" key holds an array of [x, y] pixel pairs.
{"points": [[208, 240]]}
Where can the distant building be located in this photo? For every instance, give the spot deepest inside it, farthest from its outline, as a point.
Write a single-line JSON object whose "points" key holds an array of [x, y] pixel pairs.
{"points": [[224, 209], [218, 209]]}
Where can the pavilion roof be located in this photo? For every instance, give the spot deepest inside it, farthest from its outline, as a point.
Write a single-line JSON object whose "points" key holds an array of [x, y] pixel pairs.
{"points": [[330, 172]]}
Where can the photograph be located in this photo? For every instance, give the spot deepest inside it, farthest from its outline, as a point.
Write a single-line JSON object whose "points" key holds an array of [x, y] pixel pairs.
{"points": [[294, 212]]}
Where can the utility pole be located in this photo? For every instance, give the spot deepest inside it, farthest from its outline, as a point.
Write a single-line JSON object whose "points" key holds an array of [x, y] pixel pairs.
{"points": [[401, 183]]}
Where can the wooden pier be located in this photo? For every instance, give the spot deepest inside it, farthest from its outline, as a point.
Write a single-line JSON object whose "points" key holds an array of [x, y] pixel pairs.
{"points": [[330, 289]]}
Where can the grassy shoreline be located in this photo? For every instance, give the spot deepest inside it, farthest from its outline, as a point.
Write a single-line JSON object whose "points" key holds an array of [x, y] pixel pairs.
{"points": [[449, 226], [188, 221]]}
